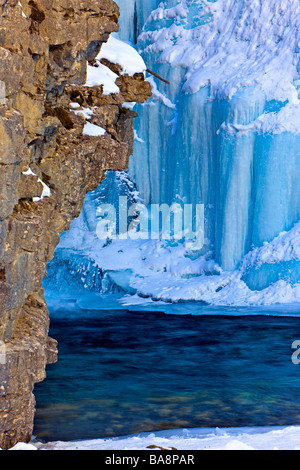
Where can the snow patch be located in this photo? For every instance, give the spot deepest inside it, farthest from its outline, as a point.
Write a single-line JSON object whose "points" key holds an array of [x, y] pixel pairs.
{"points": [[46, 191], [123, 54], [93, 130], [117, 52], [244, 438], [101, 75]]}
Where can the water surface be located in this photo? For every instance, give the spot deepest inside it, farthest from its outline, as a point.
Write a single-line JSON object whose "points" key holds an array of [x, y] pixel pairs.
{"points": [[122, 372]]}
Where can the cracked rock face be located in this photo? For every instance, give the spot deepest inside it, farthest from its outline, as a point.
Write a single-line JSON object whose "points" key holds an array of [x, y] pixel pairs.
{"points": [[44, 47]]}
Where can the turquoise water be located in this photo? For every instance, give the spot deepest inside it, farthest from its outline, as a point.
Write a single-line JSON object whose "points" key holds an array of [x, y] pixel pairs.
{"points": [[122, 372]]}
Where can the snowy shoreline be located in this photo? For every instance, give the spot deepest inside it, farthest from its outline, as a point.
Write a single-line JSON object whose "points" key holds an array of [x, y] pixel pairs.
{"points": [[244, 438]]}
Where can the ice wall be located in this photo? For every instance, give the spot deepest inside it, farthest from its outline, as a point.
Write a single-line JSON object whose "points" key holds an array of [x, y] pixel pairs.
{"points": [[225, 133], [133, 16]]}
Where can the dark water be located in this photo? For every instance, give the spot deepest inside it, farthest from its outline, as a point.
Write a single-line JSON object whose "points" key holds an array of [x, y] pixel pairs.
{"points": [[125, 372]]}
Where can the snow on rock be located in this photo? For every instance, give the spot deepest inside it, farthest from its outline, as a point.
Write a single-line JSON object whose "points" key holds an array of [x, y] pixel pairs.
{"points": [[101, 75], [117, 52], [121, 53], [21, 6], [23, 446], [85, 112], [89, 128], [46, 191]]}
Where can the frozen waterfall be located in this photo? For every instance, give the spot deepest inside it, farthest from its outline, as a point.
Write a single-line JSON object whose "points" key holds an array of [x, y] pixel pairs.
{"points": [[226, 134]]}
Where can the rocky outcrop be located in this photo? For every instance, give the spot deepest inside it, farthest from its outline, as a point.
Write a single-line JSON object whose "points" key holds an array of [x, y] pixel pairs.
{"points": [[44, 47]]}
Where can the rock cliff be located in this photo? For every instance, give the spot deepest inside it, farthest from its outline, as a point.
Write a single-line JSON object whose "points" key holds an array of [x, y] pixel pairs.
{"points": [[44, 48]]}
